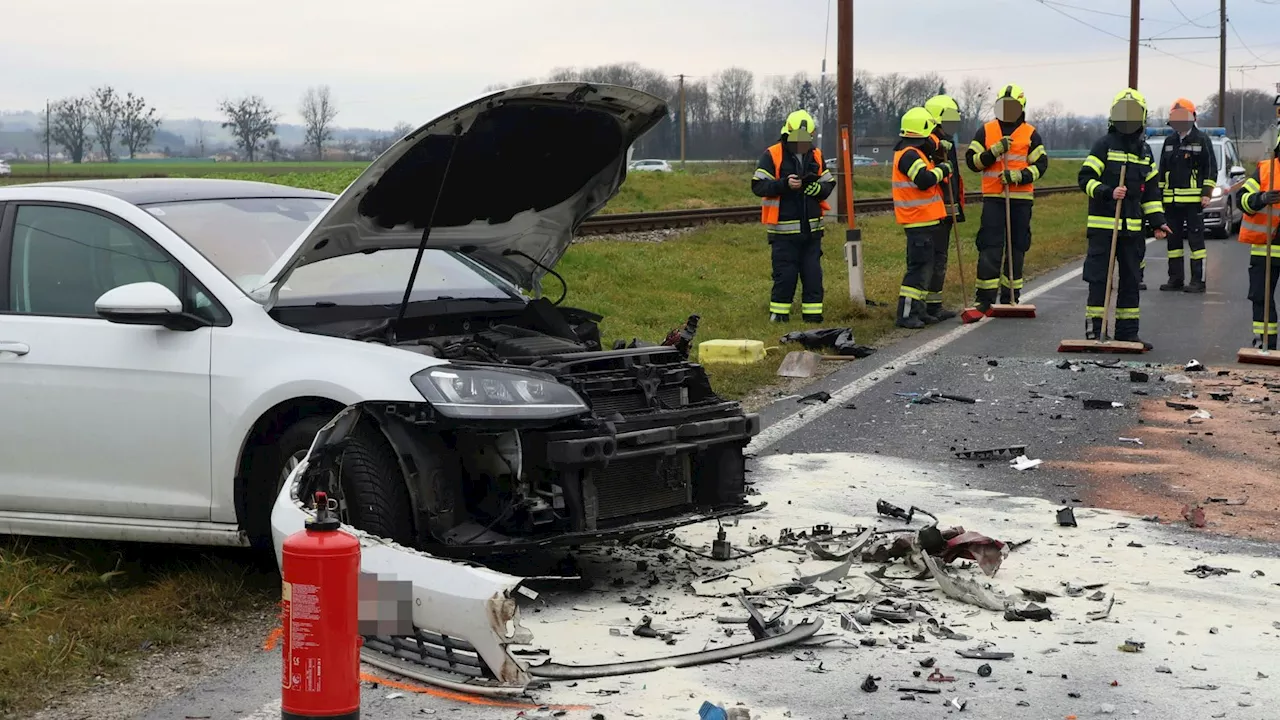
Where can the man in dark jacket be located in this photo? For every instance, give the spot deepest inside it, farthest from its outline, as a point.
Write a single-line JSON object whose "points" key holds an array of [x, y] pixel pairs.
{"points": [[793, 184], [946, 113], [1188, 174], [1139, 196]]}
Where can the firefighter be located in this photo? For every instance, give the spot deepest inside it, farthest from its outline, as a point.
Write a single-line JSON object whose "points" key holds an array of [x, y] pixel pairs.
{"points": [[793, 184], [1009, 153], [918, 207], [1262, 191], [946, 113], [1188, 174], [1122, 146]]}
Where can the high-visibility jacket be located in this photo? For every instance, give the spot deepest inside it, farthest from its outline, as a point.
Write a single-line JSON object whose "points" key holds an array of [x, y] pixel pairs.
{"points": [[1100, 174], [771, 215], [953, 188], [1017, 158], [1188, 168], [1254, 229], [917, 193]]}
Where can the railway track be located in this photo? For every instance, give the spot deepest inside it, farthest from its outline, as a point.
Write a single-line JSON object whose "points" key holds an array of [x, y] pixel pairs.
{"points": [[610, 223]]}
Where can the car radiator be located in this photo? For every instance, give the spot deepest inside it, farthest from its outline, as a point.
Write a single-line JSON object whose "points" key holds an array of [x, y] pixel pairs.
{"points": [[631, 487]]}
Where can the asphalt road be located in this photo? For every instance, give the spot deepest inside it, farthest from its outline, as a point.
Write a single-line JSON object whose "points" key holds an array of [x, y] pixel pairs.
{"points": [[830, 462]]}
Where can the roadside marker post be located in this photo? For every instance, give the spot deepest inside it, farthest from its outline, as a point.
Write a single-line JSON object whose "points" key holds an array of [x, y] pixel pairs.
{"points": [[852, 234]]}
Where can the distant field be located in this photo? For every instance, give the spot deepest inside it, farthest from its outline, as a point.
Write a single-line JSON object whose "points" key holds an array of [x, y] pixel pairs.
{"points": [[176, 167]]}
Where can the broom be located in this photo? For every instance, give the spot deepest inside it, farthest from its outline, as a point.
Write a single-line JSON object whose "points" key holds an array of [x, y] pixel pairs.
{"points": [[1106, 344], [1014, 309], [1264, 355]]}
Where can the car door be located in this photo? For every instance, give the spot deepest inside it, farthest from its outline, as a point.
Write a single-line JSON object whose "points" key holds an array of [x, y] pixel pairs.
{"points": [[96, 418]]}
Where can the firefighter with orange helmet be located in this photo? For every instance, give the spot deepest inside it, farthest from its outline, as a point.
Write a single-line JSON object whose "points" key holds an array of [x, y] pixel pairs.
{"points": [[1188, 174]]}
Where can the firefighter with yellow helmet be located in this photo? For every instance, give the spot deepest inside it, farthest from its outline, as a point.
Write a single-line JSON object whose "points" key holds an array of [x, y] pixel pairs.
{"points": [[1009, 154], [1261, 228], [919, 209], [793, 184], [1140, 209], [946, 116]]}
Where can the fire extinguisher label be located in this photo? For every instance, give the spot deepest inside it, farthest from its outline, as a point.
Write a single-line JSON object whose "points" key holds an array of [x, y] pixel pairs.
{"points": [[300, 608]]}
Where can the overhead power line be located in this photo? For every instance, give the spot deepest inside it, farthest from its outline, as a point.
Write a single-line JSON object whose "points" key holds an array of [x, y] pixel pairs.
{"points": [[1053, 6], [1189, 20], [1235, 32]]}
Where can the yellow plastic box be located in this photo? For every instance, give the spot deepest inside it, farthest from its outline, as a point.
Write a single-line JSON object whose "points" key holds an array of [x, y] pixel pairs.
{"points": [[738, 352]]}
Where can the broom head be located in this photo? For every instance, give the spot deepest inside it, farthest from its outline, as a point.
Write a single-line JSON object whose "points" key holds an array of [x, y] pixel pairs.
{"points": [[1258, 356], [1012, 311], [1102, 346], [971, 315]]}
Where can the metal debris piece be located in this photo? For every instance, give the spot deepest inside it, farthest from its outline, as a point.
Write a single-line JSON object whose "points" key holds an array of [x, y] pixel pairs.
{"points": [[1037, 594], [1180, 405], [1204, 571], [980, 654], [869, 684], [1104, 613], [988, 552], [943, 632], [928, 662], [1132, 646], [888, 509], [1067, 517], [1022, 462], [1138, 376], [1098, 596], [992, 453], [821, 396], [759, 627], [1030, 611], [1131, 441], [964, 590], [1095, 404], [938, 676], [1221, 396]]}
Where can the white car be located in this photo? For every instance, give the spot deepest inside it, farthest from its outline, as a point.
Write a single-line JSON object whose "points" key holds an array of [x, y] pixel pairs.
{"points": [[169, 349], [5, 170], [650, 166]]}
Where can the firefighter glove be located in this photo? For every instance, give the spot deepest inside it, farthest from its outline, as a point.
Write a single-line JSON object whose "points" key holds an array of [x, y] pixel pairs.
{"points": [[1011, 177], [945, 168], [1002, 146], [1270, 197], [813, 188], [946, 144]]}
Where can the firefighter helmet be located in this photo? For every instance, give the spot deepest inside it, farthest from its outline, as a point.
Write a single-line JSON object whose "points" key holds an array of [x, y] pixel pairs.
{"points": [[799, 127], [917, 123]]}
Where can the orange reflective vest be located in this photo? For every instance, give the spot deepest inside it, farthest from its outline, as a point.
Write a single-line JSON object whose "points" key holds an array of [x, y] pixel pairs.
{"points": [[1254, 228], [913, 207], [1014, 159], [769, 206]]}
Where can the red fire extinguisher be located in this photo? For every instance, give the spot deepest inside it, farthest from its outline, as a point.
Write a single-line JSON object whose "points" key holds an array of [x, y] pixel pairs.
{"points": [[320, 675]]}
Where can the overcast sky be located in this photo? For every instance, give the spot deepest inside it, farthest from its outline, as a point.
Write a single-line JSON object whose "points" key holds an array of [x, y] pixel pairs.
{"points": [[409, 60]]}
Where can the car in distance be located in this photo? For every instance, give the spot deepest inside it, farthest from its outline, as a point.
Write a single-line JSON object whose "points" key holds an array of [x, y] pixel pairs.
{"points": [[1222, 216], [5, 170], [175, 345], [650, 166]]}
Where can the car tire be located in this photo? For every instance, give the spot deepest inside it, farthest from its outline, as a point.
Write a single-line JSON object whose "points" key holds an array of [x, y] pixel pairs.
{"points": [[372, 484]]}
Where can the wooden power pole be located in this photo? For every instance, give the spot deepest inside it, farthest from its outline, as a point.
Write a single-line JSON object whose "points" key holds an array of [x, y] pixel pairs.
{"points": [[682, 120], [1222, 64], [844, 119], [1135, 23]]}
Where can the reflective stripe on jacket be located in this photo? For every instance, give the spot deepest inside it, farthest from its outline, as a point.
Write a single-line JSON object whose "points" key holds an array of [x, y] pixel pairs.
{"points": [[1254, 229], [1017, 158], [1100, 173], [770, 206], [913, 207]]}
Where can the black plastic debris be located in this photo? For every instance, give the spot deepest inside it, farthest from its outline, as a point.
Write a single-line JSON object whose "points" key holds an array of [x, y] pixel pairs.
{"points": [[869, 685], [928, 662], [645, 628], [993, 363], [984, 670], [1180, 405], [1095, 404], [1031, 611], [867, 642], [838, 339], [821, 396], [1221, 396], [1138, 376], [958, 398], [1067, 517], [1204, 571], [1194, 366], [1012, 451], [888, 509]]}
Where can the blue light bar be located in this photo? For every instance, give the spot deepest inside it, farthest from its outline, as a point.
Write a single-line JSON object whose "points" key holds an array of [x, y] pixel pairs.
{"points": [[1210, 131], [1158, 132]]}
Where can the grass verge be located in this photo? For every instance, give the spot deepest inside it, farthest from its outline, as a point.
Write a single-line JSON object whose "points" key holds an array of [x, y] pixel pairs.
{"points": [[723, 273], [72, 610]]}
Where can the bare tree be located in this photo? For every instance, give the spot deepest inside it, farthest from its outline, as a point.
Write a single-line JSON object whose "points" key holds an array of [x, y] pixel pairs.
{"points": [[974, 98], [273, 149], [138, 123], [734, 94], [318, 111], [251, 121], [106, 119], [68, 128]]}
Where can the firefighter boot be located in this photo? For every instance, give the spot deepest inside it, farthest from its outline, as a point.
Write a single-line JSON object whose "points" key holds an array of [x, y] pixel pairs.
{"points": [[812, 317], [1093, 329], [936, 310], [779, 317], [906, 318], [1133, 338], [1257, 341]]}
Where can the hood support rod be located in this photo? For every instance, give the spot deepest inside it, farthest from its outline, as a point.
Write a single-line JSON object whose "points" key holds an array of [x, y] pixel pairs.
{"points": [[426, 234]]}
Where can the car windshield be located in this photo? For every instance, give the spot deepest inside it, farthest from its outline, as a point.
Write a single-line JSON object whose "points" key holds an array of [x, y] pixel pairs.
{"points": [[244, 237]]}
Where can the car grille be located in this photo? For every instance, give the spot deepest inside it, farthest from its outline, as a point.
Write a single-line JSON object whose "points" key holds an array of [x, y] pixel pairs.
{"points": [[643, 485], [432, 650], [633, 401]]}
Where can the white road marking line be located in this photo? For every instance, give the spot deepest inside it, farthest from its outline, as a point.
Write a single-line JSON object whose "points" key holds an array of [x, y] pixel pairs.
{"points": [[791, 423], [270, 711]]}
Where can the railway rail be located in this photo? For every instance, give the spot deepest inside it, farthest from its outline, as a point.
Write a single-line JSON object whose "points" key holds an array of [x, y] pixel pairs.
{"points": [[610, 223]]}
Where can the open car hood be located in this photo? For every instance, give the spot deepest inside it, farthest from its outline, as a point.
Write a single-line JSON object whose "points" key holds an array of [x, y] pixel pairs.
{"points": [[520, 170]]}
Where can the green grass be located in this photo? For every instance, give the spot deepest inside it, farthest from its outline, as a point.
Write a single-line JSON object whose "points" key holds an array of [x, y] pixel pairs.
{"points": [[71, 610], [723, 274]]}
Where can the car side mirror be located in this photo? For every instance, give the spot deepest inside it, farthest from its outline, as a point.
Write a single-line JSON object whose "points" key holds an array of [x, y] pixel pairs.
{"points": [[1236, 171], [144, 303]]}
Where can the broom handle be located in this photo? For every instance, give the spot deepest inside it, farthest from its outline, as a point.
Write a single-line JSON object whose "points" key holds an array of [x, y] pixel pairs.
{"points": [[955, 232], [1008, 229], [1266, 301], [1111, 262]]}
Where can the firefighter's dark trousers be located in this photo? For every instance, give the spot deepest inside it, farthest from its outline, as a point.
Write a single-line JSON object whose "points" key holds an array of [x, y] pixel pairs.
{"points": [[796, 257], [938, 268], [915, 281], [1257, 291], [996, 271], [1129, 252], [1187, 222]]}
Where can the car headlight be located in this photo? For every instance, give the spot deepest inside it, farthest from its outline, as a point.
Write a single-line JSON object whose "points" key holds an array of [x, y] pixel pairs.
{"points": [[1216, 192], [484, 394]]}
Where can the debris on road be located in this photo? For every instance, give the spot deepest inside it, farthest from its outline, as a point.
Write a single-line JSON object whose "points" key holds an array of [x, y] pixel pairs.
{"points": [[1095, 404], [888, 509], [962, 589], [1131, 441], [981, 654], [1067, 517], [821, 396], [1204, 571], [1030, 611], [1132, 646], [1194, 515], [838, 339], [1199, 416], [1138, 376], [1177, 379], [1224, 396], [1104, 613], [1194, 365], [1180, 406], [1022, 462], [993, 453], [869, 684]]}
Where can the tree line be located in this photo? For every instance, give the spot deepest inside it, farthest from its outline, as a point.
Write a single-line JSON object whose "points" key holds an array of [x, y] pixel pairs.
{"points": [[104, 117]]}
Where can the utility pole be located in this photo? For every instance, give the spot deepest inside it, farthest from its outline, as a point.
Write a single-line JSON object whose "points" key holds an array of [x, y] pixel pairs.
{"points": [[1135, 23], [682, 119], [1222, 64], [48, 130], [844, 119]]}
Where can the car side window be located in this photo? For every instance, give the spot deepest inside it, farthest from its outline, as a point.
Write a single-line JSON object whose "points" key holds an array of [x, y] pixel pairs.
{"points": [[63, 259]]}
